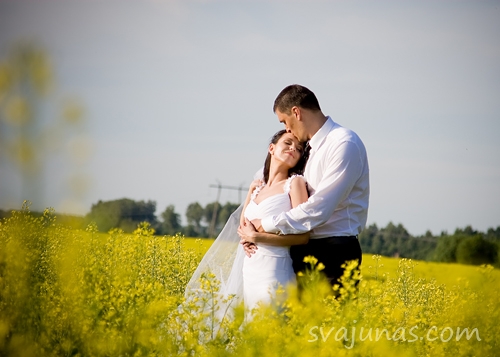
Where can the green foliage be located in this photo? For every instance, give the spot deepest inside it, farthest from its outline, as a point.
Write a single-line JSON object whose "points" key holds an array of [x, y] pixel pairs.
{"points": [[190, 231], [493, 234], [396, 241], [217, 214], [446, 249], [123, 213], [476, 250], [171, 224], [200, 218], [467, 231], [126, 214], [194, 215], [224, 212], [466, 247]]}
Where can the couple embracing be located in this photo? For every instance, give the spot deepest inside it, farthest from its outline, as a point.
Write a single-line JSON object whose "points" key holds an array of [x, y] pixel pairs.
{"points": [[311, 198]]}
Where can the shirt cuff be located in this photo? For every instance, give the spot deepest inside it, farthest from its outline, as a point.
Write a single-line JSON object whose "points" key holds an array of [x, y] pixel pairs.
{"points": [[268, 225]]}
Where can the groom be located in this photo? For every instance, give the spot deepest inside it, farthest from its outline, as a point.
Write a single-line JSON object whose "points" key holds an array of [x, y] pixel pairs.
{"points": [[337, 177]]}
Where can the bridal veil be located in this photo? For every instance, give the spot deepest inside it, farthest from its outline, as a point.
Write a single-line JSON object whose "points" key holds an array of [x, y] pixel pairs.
{"points": [[224, 259]]}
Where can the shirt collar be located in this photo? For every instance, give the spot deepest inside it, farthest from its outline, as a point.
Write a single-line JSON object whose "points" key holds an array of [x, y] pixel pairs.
{"points": [[318, 138]]}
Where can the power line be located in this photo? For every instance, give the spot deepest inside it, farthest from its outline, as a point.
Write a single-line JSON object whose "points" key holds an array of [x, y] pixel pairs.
{"points": [[219, 187], [238, 188]]}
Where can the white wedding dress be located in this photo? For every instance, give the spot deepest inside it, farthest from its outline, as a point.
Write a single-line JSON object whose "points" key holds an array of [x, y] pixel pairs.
{"points": [[270, 266], [252, 280]]}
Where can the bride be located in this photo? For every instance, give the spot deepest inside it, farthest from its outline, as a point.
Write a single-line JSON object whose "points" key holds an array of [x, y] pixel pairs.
{"points": [[255, 278], [281, 189]]}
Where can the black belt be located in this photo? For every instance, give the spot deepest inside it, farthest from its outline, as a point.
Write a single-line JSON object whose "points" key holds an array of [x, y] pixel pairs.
{"points": [[333, 240]]}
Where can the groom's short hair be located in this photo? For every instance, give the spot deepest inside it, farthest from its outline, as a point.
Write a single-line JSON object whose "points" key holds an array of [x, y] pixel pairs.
{"points": [[295, 95]]}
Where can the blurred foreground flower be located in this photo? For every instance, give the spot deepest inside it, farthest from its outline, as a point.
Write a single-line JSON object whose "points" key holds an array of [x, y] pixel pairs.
{"points": [[35, 129]]}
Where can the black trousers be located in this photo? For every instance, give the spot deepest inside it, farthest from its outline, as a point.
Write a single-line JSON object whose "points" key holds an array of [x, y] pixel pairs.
{"points": [[332, 252]]}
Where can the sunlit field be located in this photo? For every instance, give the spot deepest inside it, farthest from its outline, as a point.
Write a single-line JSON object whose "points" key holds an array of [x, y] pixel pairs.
{"points": [[197, 244], [72, 292], [444, 273]]}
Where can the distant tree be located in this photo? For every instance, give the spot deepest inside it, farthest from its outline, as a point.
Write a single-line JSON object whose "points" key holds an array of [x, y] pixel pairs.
{"points": [[225, 211], [208, 212], [123, 213], [493, 234], [211, 212], [171, 221], [476, 250], [424, 246], [446, 249], [222, 214], [394, 231], [194, 215], [394, 240], [105, 214], [367, 238], [467, 231], [190, 231]]}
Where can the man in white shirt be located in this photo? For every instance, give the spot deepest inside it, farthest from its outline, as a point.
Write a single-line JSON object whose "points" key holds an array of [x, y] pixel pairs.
{"points": [[337, 177]]}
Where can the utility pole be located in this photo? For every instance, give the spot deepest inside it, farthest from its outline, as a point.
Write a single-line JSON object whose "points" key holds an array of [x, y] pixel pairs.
{"points": [[216, 206]]}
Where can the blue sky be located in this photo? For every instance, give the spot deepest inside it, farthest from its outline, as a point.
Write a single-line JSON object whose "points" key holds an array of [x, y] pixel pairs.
{"points": [[178, 96]]}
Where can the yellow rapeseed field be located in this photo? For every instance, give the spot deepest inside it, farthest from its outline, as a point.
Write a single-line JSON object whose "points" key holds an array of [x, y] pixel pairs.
{"points": [[444, 273], [67, 292]]}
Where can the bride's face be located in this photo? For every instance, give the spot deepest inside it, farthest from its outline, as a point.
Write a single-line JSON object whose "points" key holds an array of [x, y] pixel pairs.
{"points": [[287, 150]]}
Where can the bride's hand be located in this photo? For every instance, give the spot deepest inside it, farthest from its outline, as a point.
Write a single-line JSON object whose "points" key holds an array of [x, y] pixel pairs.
{"points": [[249, 248], [247, 240]]}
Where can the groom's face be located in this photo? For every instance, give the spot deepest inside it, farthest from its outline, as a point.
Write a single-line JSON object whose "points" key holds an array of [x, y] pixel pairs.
{"points": [[291, 123]]}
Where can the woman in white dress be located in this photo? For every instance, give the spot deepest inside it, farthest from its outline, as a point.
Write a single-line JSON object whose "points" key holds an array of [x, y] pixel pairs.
{"points": [[255, 279], [280, 189]]}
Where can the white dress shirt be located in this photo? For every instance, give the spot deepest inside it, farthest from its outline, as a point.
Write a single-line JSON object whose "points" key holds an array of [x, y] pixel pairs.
{"points": [[337, 178]]}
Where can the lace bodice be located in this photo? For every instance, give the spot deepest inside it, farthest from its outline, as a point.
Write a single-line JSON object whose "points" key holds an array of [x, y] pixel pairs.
{"points": [[271, 205], [286, 188]]}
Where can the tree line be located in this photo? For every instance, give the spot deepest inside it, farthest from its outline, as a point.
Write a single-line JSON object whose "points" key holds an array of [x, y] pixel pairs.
{"points": [[465, 245], [126, 214]]}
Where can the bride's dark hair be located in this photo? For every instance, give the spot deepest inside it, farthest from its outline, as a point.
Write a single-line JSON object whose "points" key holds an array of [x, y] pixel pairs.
{"points": [[297, 169]]}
